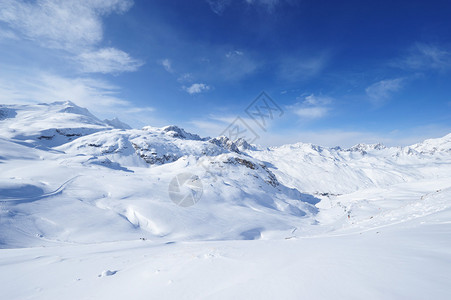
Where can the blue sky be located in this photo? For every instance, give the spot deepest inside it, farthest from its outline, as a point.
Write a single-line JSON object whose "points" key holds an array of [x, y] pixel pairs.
{"points": [[343, 72]]}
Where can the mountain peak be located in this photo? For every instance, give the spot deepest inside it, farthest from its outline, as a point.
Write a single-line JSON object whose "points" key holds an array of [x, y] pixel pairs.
{"points": [[177, 132], [367, 147], [433, 145]]}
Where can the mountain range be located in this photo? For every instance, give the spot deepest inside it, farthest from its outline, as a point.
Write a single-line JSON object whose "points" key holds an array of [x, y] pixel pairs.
{"points": [[70, 179]]}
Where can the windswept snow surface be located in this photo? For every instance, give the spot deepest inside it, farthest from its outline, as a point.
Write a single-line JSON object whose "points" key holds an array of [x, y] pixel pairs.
{"points": [[86, 213]]}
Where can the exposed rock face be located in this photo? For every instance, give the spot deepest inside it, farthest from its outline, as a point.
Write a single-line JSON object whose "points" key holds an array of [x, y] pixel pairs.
{"points": [[225, 142], [177, 132]]}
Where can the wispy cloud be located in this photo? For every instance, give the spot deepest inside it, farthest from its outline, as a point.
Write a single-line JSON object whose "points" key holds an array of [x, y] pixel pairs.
{"points": [[234, 53], [302, 67], [68, 25], [196, 88], [383, 90], [99, 96], [312, 112], [167, 65], [134, 110], [312, 106], [7, 34], [186, 77], [218, 6], [45, 87], [108, 60], [73, 26], [426, 57]]}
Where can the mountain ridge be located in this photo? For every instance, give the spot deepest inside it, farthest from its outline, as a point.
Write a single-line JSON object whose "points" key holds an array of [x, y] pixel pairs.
{"points": [[59, 160]]}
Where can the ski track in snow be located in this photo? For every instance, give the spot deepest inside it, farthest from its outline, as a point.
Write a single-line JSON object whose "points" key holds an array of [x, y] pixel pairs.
{"points": [[58, 191]]}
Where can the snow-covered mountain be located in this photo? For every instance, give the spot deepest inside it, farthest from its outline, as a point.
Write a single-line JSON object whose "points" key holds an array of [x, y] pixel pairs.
{"points": [[50, 124], [316, 169], [69, 160], [120, 177], [70, 179]]}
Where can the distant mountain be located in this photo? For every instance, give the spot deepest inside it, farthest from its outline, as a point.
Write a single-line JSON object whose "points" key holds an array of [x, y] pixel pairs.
{"points": [[116, 123], [317, 169], [51, 124]]}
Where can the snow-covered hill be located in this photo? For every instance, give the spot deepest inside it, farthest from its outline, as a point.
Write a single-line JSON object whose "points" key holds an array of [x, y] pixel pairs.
{"points": [[50, 124], [316, 169], [82, 187]]}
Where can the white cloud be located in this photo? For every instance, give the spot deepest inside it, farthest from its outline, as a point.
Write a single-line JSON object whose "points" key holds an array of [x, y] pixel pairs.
{"points": [[196, 88], [424, 57], [381, 91], [108, 60], [74, 26], [102, 98], [45, 87], [317, 100], [186, 77], [312, 112], [135, 110], [234, 53], [218, 6], [167, 65], [68, 24], [312, 107]]}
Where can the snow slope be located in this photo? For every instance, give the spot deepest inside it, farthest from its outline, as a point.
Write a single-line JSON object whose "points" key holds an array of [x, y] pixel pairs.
{"points": [[88, 210], [409, 262], [118, 181], [316, 169]]}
